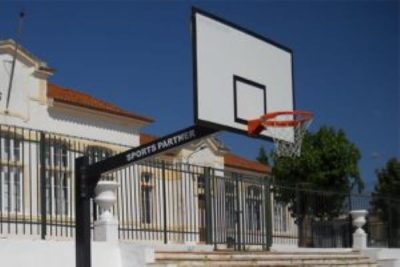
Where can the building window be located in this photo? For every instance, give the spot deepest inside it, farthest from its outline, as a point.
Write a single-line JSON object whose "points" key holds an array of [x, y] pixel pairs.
{"points": [[11, 186], [57, 188], [57, 177], [11, 148], [11, 173], [56, 154], [98, 153], [146, 197], [253, 201], [280, 217], [201, 184]]}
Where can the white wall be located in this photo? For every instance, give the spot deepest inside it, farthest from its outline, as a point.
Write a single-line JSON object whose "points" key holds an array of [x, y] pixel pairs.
{"points": [[32, 253], [23, 80], [205, 157]]}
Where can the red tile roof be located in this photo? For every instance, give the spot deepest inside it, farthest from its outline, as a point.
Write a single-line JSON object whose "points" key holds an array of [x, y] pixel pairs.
{"points": [[146, 138], [73, 97], [235, 161], [230, 160]]}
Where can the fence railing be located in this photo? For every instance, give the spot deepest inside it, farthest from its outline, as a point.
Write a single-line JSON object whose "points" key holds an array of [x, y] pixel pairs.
{"points": [[160, 201], [323, 217], [166, 201], [37, 180]]}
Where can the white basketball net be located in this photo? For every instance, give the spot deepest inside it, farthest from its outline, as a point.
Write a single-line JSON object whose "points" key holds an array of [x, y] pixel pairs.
{"points": [[288, 139]]}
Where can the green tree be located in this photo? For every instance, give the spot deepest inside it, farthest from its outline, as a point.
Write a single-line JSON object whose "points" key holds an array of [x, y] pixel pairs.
{"points": [[317, 183], [262, 156], [386, 199], [389, 179]]}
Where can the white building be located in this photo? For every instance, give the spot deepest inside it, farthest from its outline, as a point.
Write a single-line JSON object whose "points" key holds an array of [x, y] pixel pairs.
{"points": [[44, 127]]}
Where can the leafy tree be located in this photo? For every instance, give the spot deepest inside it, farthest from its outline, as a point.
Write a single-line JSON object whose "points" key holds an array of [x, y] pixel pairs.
{"points": [[389, 179], [386, 198], [323, 175], [262, 156]]}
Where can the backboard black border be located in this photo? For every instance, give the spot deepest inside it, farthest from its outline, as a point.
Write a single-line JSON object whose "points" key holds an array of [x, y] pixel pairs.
{"points": [[197, 121], [262, 87]]}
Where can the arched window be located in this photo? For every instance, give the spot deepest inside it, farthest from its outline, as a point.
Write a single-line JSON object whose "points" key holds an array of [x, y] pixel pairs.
{"points": [[253, 201], [146, 197]]}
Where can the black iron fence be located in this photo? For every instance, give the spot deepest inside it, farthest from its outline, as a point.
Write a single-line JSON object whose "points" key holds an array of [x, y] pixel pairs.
{"points": [[323, 219], [37, 180], [240, 211], [161, 201], [173, 202], [167, 201]]}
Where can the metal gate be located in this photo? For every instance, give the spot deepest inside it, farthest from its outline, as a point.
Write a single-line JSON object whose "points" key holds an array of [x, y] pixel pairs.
{"points": [[238, 209]]}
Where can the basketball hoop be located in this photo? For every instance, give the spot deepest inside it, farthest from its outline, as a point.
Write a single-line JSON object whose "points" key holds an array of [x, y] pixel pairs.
{"points": [[287, 130]]}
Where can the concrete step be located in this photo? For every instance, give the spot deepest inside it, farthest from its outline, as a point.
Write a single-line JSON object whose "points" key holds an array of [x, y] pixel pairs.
{"points": [[271, 263], [260, 258], [265, 256], [249, 264]]}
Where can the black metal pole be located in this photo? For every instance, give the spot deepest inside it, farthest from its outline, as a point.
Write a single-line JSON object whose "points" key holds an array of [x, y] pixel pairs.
{"points": [[299, 216], [87, 177], [82, 214], [350, 222], [238, 213], [43, 197], [164, 203], [207, 188], [268, 214]]}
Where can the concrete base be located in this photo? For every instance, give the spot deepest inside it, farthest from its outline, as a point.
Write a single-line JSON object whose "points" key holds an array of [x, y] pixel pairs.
{"points": [[105, 231], [385, 257], [283, 247], [310, 250], [32, 253], [182, 247], [133, 255], [359, 240]]}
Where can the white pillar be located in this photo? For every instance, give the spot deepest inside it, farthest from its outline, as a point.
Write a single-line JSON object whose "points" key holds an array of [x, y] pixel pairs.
{"points": [[359, 236], [106, 226]]}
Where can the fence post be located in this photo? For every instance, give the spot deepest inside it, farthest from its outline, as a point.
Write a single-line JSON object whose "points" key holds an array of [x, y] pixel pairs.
{"points": [[207, 188], [268, 213], [238, 213], [350, 223], [297, 197], [43, 197], [82, 214], [164, 189], [299, 216]]}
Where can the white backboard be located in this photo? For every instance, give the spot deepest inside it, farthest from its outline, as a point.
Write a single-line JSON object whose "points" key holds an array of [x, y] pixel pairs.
{"points": [[238, 75]]}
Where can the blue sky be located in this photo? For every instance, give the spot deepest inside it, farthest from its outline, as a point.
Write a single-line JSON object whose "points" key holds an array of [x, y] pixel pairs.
{"points": [[138, 55]]}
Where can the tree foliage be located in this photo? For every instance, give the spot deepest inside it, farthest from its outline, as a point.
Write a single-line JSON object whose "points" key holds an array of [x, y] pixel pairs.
{"points": [[386, 198], [329, 162], [389, 179]]}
